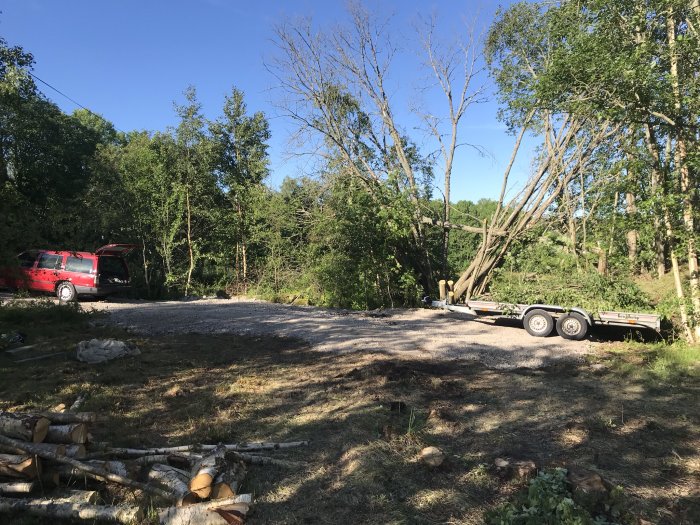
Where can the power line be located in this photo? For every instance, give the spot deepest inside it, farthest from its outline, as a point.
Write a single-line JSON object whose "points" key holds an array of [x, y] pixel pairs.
{"points": [[69, 98]]}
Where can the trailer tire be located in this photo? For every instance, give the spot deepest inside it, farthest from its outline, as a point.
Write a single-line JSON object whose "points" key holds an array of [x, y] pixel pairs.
{"points": [[538, 323], [572, 326]]}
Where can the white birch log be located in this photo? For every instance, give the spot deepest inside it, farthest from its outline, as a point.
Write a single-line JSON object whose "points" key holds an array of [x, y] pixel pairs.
{"points": [[228, 481], [18, 487], [25, 466], [120, 451], [255, 459], [78, 402], [207, 513], [171, 478], [76, 451], [76, 496], [96, 472], [46, 507], [64, 418], [59, 450], [69, 434], [24, 426], [205, 470]]}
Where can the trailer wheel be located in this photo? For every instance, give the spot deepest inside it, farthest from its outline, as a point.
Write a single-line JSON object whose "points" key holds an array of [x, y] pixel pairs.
{"points": [[538, 323], [572, 326]]}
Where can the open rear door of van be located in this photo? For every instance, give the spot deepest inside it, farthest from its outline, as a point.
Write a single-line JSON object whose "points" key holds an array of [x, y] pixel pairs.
{"points": [[118, 250]]}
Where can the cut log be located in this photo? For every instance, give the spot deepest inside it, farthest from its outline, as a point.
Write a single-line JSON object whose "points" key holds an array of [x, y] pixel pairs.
{"points": [[61, 407], [18, 487], [228, 481], [76, 496], [63, 418], [209, 512], [95, 471], [174, 480], [73, 433], [205, 470], [221, 490], [76, 451], [114, 467], [46, 507], [27, 467], [23, 426], [59, 450]]}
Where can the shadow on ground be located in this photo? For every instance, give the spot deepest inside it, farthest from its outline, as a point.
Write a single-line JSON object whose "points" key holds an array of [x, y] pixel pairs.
{"points": [[362, 460]]}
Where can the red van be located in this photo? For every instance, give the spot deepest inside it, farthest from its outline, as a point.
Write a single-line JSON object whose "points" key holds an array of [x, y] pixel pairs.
{"points": [[70, 274]]}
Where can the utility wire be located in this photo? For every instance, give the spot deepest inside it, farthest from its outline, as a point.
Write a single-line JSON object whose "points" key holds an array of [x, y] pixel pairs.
{"points": [[69, 98]]}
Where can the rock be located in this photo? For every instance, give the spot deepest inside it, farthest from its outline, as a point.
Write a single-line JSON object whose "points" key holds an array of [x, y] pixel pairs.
{"points": [[101, 350], [432, 456]]}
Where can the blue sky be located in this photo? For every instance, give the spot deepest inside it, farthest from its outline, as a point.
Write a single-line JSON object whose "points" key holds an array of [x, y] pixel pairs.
{"points": [[129, 60]]}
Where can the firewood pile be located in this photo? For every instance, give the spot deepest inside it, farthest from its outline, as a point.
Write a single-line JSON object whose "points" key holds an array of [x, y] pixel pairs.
{"points": [[50, 466]]}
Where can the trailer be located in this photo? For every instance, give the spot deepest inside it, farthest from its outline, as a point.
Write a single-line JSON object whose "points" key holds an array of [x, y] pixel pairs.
{"points": [[540, 319]]}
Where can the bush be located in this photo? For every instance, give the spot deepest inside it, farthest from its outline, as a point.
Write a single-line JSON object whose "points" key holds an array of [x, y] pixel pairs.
{"points": [[548, 500]]}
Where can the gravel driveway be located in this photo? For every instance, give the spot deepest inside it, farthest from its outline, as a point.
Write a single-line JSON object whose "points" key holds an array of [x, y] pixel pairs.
{"points": [[417, 333]]}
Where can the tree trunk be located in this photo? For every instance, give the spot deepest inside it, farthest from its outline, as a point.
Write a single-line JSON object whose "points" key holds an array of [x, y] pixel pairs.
{"points": [[190, 251], [49, 509], [23, 426], [687, 182], [632, 234]]}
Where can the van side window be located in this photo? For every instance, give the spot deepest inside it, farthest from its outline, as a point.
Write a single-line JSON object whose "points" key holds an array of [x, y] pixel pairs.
{"points": [[49, 261], [78, 264], [26, 259]]}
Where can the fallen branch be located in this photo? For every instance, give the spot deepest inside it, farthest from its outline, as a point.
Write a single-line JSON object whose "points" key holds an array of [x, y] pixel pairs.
{"points": [[117, 451], [78, 402], [96, 472], [47, 507], [255, 459]]}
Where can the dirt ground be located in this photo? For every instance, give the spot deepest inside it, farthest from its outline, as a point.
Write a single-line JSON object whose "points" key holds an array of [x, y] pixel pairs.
{"points": [[368, 413], [400, 333]]}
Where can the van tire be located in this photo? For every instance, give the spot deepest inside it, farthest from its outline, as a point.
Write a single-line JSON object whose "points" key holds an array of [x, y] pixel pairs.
{"points": [[65, 292]]}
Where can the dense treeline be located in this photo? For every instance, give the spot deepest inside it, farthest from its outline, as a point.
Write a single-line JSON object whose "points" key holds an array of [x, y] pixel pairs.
{"points": [[610, 89]]}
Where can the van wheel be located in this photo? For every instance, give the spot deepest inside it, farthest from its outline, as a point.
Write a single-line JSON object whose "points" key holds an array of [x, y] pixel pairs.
{"points": [[538, 323], [66, 292], [572, 326]]}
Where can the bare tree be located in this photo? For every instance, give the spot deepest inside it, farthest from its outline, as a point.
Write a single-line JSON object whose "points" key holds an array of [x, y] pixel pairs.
{"points": [[337, 87]]}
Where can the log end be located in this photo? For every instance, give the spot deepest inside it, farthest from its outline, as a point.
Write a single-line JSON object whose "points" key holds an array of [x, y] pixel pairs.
{"points": [[41, 428]]}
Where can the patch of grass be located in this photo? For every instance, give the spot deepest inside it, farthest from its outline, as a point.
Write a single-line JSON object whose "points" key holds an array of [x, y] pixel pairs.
{"points": [[37, 314], [657, 361]]}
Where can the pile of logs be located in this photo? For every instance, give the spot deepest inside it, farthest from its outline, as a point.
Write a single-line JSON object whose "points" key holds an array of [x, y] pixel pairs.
{"points": [[45, 456]]}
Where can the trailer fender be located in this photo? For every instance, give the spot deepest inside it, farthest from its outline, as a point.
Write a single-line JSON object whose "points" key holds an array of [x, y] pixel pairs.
{"points": [[546, 307], [584, 313]]}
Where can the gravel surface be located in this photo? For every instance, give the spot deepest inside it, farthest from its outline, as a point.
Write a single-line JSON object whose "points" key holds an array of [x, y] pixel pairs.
{"points": [[417, 333]]}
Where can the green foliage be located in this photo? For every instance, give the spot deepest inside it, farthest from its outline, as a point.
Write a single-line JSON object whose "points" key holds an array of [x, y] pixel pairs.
{"points": [[548, 501], [544, 271], [17, 314]]}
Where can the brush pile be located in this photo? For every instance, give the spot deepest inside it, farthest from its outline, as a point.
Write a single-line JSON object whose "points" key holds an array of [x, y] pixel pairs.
{"points": [[50, 466]]}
